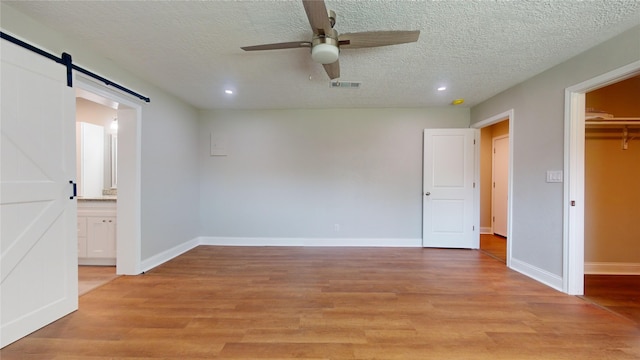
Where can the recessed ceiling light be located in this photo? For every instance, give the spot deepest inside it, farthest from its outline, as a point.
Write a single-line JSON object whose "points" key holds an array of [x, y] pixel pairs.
{"points": [[442, 88], [228, 91]]}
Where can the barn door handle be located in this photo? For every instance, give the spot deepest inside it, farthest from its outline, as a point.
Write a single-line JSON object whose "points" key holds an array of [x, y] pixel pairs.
{"points": [[75, 190]]}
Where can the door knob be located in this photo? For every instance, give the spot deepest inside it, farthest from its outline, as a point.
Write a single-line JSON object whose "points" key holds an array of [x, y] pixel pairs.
{"points": [[427, 193]]}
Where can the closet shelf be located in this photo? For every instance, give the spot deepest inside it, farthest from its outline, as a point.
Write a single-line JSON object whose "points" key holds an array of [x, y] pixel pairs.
{"points": [[614, 121], [630, 128]]}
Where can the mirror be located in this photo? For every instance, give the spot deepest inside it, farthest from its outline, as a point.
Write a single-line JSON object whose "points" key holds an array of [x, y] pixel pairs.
{"points": [[114, 161], [97, 148]]}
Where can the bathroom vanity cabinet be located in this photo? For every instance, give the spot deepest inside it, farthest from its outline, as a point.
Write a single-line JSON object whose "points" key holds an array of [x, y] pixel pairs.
{"points": [[97, 223]]}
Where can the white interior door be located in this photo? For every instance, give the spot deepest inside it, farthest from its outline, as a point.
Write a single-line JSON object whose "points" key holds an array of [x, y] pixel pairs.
{"points": [[38, 246], [448, 190], [500, 190]]}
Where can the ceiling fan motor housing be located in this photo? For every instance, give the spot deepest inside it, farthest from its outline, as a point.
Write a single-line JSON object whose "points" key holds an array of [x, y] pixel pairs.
{"points": [[324, 49]]}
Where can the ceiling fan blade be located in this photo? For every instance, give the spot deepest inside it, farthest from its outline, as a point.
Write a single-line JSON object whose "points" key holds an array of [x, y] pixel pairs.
{"points": [[333, 69], [318, 16], [278, 46], [377, 38]]}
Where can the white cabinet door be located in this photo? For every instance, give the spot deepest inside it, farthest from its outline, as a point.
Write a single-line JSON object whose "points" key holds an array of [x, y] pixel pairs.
{"points": [[38, 241], [448, 195], [101, 237]]}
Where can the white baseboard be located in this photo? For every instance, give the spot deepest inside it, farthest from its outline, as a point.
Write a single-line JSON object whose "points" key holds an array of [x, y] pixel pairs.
{"points": [[169, 254], [486, 230], [355, 242], [250, 241], [537, 274], [611, 268], [529, 270]]}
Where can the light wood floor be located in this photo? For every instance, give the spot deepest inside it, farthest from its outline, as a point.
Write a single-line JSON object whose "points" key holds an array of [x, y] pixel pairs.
{"points": [[617, 293], [331, 303], [494, 246], [91, 277]]}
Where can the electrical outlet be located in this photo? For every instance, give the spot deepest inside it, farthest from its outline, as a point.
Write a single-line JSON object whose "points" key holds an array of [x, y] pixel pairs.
{"points": [[336, 227]]}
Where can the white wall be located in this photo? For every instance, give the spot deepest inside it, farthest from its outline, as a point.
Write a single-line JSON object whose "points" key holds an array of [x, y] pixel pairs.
{"points": [[170, 196], [169, 199], [297, 173], [538, 146]]}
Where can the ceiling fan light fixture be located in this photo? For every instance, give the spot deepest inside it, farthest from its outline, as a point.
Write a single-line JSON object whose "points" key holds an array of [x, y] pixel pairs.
{"points": [[324, 53], [324, 50]]}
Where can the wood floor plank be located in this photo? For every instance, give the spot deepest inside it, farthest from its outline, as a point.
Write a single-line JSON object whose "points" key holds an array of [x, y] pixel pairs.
{"points": [[494, 246], [331, 303], [618, 293], [91, 277]]}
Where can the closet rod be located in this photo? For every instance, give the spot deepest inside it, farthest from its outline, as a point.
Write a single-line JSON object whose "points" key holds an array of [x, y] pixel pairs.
{"points": [[612, 122], [66, 61]]}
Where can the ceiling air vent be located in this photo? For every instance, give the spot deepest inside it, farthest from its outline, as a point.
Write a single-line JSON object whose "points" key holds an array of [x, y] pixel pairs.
{"points": [[345, 84]]}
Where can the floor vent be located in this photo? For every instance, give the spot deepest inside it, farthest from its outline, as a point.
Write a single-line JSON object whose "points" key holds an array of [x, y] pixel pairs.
{"points": [[345, 84]]}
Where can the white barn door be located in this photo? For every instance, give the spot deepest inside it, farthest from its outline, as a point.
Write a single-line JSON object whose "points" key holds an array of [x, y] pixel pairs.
{"points": [[448, 190], [38, 244]]}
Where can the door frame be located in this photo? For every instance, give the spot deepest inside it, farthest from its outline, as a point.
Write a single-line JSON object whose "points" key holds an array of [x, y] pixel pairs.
{"points": [[506, 115], [574, 143], [129, 234], [493, 172]]}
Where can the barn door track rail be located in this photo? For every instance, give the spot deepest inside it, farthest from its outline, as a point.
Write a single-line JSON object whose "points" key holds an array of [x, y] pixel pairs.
{"points": [[66, 60]]}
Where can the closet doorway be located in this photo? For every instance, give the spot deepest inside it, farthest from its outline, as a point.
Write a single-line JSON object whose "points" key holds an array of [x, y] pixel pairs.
{"points": [[612, 197]]}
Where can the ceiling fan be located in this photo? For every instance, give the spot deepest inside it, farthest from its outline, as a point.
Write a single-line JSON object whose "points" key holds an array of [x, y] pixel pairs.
{"points": [[326, 44]]}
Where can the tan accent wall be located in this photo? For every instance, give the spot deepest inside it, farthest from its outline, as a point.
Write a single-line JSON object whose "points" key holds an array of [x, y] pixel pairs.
{"points": [[486, 144], [612, 201], [612, 180], [621, 99]]}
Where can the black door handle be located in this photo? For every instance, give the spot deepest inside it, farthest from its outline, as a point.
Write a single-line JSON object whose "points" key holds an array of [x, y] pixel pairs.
{"points": [[75, 190]]}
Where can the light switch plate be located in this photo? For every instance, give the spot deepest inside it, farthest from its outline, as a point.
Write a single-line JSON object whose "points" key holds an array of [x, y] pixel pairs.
{"points": [[554, 176]]}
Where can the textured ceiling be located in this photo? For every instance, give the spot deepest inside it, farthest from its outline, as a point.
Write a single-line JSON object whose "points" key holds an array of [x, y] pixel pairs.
{"points": [[475, 48]]}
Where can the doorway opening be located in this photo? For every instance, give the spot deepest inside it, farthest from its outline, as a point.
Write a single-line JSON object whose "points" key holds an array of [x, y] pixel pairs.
{"points": [[494, 166], [612, 197], [123, 178], [574, 198], [96, 176]]}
